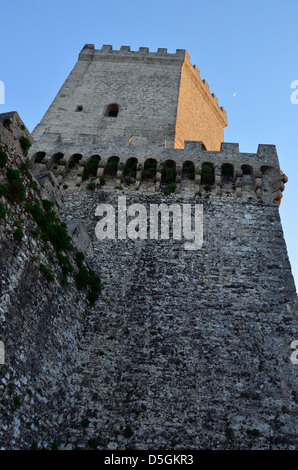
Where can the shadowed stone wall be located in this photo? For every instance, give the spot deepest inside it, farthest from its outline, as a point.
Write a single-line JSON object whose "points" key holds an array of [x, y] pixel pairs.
{"points": [[190, 349]]}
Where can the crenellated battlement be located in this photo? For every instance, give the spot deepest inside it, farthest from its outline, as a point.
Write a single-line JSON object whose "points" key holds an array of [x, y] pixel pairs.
{"points": [[161, 56], [191, 171], [206, 89], [148, 97], [90, 53]]}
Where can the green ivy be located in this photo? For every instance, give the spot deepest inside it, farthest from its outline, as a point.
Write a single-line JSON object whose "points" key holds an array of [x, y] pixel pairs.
{"points": [[3, 190], [48, 274], [52, 229], [18, 234], [91, 186], [2, 211], [3, 159], [25, 143], [87, 279], [16, 189]]}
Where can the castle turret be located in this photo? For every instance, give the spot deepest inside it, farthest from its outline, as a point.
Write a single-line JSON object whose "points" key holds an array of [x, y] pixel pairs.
{"points": [[134, 96]]}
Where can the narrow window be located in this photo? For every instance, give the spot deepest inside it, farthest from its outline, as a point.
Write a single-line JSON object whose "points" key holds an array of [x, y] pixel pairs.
{"points": [[207, 174], [112, 110], [150, 168], [130, 168], [247, 170], [227, 172], [112, 166], [168, 173], [39, 156], [188, 170], [57, 157], [74, 160]]}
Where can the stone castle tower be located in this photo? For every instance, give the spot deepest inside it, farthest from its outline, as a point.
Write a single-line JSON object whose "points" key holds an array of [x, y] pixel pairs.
{"points": [[158, 97], [183, 349]]}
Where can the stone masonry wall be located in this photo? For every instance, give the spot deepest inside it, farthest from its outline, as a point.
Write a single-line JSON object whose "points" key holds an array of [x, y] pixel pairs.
{"points": [[199, 117], [146, 92], [161, 99], [42, 319], [182, 350], [191, 350]]}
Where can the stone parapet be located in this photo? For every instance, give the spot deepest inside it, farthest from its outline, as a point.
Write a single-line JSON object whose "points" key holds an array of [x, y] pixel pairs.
{"points": [[246, 175], [125, 53]]}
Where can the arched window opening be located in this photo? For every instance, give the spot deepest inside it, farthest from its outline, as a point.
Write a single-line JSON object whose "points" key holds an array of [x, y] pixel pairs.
{"points": [[91, 166], [247, 179], [227, 172], [112, 110], [188, 170], [39, 156], [130, 170], [247, 170], [74, 160], [168, 173], [207, 177], [150, 168], [168, 176], [266, 170], [57, 157], [112, 166]]}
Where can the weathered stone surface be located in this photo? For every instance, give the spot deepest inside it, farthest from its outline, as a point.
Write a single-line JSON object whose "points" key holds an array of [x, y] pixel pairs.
{"points": [[12, 129], [161, 99], [79, 235], [49, 187], [201, 340]]}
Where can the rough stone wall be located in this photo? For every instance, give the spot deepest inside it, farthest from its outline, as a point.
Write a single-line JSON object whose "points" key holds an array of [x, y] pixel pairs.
{"points": [[190, 349], [146, 92], [12, 129], [199, 117], [161, 98], [183, 349], [42, 321]]}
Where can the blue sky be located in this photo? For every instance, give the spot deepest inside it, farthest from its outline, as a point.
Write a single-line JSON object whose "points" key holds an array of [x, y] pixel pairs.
{"points": [[247, 48]]}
